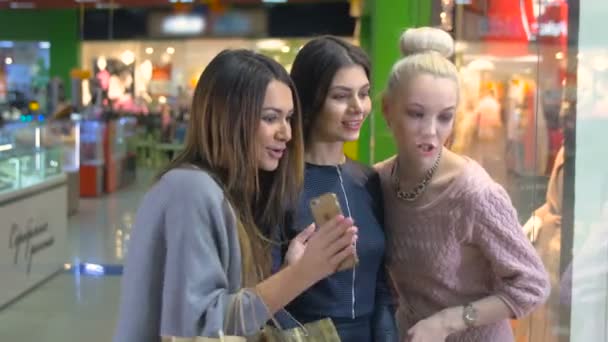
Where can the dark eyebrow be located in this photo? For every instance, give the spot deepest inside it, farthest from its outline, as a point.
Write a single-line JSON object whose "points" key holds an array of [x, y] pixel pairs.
{"points": [[276, 110], [272, 109], [342, 87]]}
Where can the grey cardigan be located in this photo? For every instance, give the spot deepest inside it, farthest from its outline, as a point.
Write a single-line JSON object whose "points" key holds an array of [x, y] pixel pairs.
{"points": [[182, 275]]}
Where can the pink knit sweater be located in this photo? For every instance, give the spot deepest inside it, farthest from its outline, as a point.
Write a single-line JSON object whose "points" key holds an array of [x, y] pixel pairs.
{"points": [[464, 245]]}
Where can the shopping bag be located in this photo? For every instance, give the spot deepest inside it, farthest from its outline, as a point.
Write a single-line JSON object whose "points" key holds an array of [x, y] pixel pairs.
{"points": [[322, 330]]}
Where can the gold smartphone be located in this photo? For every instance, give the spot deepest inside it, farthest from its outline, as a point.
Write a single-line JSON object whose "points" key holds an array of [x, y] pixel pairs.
{"points": [[325, 208]]}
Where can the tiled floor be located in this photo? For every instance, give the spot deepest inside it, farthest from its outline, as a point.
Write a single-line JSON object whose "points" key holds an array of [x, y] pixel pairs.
{"points": [[67, 308], [73, 307]]}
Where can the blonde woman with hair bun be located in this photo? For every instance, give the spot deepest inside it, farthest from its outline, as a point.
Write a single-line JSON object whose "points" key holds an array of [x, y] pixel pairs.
{"points": [[457, 255]]}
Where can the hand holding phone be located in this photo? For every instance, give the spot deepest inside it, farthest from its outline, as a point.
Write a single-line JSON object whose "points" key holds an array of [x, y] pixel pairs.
{"points": [[324, 208]]}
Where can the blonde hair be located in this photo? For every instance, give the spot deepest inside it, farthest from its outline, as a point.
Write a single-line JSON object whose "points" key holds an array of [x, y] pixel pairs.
{"points": [[424, 50]]}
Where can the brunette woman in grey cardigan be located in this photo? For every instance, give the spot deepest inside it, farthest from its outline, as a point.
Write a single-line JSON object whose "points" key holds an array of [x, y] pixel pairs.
{"points": [[202, 237]]}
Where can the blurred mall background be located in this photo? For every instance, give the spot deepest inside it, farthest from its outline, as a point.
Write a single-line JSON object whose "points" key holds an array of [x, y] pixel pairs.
{"points": [[95, 97]]}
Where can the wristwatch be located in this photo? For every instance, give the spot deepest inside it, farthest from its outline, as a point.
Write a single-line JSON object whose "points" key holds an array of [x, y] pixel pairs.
{"points": [[469, 315]]}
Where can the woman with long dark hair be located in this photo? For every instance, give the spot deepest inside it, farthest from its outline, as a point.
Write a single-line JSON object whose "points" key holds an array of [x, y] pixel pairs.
{"points": [[332, 78], [203, 233]]}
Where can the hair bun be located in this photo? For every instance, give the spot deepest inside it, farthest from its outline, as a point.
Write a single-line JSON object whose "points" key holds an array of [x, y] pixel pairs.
{"points": [[426, 39]]}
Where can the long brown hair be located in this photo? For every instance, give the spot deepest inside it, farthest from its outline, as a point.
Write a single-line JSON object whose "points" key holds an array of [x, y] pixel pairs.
{"points": [[315, 67], [225, 115]]}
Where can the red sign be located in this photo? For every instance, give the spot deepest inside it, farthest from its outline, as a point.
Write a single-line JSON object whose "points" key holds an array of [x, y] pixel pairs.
{"points": [[515, 20], [160, 84], [552, 24], [507, 20]]}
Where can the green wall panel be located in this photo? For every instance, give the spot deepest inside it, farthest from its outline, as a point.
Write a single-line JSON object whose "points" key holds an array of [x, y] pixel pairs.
{"points": [[382, 25], [59, 27]]}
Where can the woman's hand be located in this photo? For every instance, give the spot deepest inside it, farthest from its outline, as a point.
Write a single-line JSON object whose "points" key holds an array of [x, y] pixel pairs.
{"points": [[315, 255], [437, 327], [297, 246], [324, 250]]}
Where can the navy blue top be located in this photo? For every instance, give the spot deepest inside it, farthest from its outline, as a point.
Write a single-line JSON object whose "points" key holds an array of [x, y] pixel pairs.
{"points": [[358, 189]]}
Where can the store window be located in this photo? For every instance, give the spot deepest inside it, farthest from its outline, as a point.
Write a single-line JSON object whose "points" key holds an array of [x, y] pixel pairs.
{"points": [[24, 80], [139, 76], [158, 77], [534, 114], [588, 270]]}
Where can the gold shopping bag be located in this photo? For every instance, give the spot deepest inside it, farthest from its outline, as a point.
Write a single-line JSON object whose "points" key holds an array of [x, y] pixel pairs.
{"points": [[205, 339], [322, 330], [318, 331]]}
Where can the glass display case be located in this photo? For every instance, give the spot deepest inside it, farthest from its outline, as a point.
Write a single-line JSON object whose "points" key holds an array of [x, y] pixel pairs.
{"points": [[8, 173], [69, 133], [33, 205], [126, 131], [29, 155], [6, 144], [120, 133], [91, 142], [119, 161], [123, 136], [92, 157], [20, 169], [106, 163]]}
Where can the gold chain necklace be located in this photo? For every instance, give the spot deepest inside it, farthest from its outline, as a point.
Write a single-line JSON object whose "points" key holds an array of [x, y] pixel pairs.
{"points": [[419, 189]]}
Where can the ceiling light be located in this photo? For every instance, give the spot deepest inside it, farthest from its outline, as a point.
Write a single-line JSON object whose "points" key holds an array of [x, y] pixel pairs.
{"points": [[127, 57], [107, 6], [184, 24], [270, 44], [22, 5]]}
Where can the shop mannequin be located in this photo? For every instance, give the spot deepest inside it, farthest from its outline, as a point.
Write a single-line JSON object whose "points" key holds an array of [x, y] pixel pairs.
{"points": [[544, 230]]}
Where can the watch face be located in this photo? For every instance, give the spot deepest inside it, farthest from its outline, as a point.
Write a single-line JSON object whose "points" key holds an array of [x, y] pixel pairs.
{"points": [[470, 315]]}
